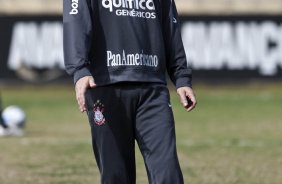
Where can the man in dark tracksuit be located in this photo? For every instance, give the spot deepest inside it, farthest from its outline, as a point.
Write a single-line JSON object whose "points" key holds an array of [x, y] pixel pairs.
{"points": [[118, 52]]}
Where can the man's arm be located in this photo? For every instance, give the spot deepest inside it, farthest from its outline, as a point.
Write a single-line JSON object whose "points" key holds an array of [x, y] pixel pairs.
{"points": [[77, 37], [178, 70], [77, 44]]}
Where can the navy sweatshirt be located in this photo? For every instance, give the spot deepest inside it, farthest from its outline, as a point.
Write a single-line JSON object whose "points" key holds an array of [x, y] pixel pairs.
{"points": [[124, 40]]}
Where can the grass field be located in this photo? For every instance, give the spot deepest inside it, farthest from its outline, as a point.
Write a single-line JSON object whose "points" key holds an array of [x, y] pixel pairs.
{"points": [[234, 137]]}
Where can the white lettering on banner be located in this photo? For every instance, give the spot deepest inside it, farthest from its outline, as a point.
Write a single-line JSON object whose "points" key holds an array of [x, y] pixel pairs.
{"points": [[133, 8], [74, 6], [137, 59], [37, 46], [235, 46]]}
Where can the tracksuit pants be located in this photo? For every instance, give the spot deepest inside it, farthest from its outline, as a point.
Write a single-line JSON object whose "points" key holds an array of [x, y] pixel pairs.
{"points": [[121, 113]]}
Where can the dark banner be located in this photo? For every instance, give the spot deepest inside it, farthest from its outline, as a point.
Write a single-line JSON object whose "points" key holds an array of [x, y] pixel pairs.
{"points": [[238, 47], [218, 47], [31, 48]]}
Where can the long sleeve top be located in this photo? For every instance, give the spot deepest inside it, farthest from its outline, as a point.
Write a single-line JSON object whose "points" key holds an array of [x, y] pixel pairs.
{"points": [[123, 41]]}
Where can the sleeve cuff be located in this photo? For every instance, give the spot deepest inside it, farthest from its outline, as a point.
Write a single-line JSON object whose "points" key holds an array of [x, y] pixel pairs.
{"points": [[184, 81], [81, 73]]}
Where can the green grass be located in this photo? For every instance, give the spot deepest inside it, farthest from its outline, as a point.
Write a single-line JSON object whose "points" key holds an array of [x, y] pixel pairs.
{"points": [[233, 137]]}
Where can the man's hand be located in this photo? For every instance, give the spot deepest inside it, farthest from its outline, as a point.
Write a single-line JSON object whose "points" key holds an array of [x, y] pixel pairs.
{"points": [[187, 98], [80, 89]]}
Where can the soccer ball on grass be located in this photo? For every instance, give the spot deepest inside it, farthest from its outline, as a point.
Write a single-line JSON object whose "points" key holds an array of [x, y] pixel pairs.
{"points": [[14, 119]]}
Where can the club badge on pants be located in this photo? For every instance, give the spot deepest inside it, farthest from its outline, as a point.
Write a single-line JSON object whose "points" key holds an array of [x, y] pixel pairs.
{"points": [[98, 110]]}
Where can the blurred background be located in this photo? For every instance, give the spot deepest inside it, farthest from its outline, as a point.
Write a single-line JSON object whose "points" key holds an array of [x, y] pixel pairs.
{"points": [[233, 137]]}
